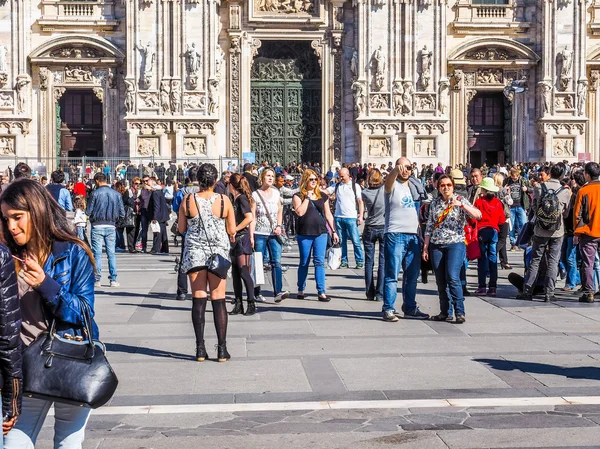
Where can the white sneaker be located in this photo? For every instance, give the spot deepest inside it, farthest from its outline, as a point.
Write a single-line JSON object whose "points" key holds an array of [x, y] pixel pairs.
{"points": [[259, 298], [114, 284], [281, 296], [97, 284]]}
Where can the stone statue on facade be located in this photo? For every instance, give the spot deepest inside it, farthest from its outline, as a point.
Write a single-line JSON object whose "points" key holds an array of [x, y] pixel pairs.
{"points": [[21, 88], [397, 92], [165, 101], [3, 63], [354, 64], [213, 96], [407, 97], [444, 86], [582, 87], [545, 95], [360, 97], [566, 68], [219, 62], [425, 68], [147, 66], [459, 79], [129, 96], [193, 59], [175, 96], [43, 78], [379, 63]]}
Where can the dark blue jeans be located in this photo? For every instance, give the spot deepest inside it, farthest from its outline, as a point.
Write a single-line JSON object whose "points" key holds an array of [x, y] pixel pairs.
{"points": [[317, 245], [570, 260], [274, 249], [447, 261], [488, 262], [372, 235], [348, 228], [401, 251]]}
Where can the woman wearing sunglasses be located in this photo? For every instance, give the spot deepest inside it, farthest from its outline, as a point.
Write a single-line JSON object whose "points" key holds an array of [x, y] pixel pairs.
{"points": [[445, 232], [314, 216]]}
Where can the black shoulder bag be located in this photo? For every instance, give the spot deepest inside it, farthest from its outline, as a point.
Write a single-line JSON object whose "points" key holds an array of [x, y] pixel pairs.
{"points": [[216, 264], [69, 370]]}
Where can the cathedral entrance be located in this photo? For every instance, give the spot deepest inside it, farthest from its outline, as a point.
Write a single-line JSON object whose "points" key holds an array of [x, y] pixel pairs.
{"points": [[79, 124], [286, 103], [488, 129]]}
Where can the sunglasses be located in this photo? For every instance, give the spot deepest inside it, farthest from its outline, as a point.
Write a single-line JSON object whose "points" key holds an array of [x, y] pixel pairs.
{"points": [[136, 183], [312, 179], [407, 167], [444, 186]]}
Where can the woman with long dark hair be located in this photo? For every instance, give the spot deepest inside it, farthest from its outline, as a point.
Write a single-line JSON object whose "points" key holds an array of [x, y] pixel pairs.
{"points": [[312, 206], [56, 284], [207, 220], [374, 200], [244, 241], [121, 224]]}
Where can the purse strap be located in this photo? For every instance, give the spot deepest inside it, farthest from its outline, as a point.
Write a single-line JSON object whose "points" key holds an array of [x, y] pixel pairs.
{"points": [[267, 210], [202, 223], [443, 216], [319, 212]]}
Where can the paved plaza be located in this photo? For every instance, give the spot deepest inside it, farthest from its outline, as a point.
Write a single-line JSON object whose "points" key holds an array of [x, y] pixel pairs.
{"points": [[306, 374]]}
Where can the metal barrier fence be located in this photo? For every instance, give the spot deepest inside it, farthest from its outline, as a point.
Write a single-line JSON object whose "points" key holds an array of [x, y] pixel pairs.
{"points": [[118, 168]]}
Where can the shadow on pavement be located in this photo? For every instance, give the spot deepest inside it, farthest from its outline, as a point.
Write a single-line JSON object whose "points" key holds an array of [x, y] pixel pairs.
{"points": [[579, 372], [323, 312], [118, 347], [155, 306]]}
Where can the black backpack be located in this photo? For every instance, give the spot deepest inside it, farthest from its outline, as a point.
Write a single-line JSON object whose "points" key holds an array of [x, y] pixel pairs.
{"points": [[549, 215]]}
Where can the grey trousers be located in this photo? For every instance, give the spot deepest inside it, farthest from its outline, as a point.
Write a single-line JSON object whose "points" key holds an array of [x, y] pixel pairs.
{"points": [[552, 247]]}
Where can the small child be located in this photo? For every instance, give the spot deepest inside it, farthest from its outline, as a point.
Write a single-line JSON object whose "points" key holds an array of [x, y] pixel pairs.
{"points": [[81, 219]]}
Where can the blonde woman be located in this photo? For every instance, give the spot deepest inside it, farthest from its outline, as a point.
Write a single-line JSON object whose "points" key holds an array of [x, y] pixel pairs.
{"points": [[507, 201], [314, 216]]}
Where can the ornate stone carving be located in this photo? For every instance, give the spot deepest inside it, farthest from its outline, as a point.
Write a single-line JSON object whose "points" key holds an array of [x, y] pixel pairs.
{"points": [[285, 6], [165, 93], [194, 101], [193, 58], [6, 100], [425, 102], [111, 78], [459, 78], [234, 95], [57, 76], [360, 97], [213, 96], [379, 127], [3, 59], [562, 128], [379, 3], [7, 146], [427, 128], [425, 63], [43, 78], [3, 79], [581, 96], [22, 88], [489, 54], [424, 147], [338, 18], [129, 96], [78, 74], [99, 92], [563, 3], [407, 97], [19, 124], [149, 100], [564, 102], [378, 65], [563, 147], [379, 101], [545, 89], [219, 62], [58, 93], [354, 64], [195, 127], [470, 94], [234, 17], [424, 4], [175, 97], [76, 52], [148, 146], [194, 146], [147, 65], [470, 79], [150, 128], [565, 59], [337, 105], [380, 147], [254, 46], [317, 46], [594, 79], [489, 76], [443, 91], [397, 91]]}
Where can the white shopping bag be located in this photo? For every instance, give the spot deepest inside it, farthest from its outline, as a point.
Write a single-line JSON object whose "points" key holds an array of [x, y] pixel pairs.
{"points": [[257, 269], [334, 257], [155, 226]]}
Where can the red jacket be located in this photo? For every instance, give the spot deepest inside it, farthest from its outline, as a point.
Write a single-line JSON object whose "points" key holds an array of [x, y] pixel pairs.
{"points": [[80, 189], [492, 213]]}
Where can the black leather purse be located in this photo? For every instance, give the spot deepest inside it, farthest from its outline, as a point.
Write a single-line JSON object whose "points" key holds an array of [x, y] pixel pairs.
{"points": [[69, 371]]}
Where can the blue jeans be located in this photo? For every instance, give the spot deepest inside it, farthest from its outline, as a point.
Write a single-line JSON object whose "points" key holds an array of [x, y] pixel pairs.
{"points": [[270, 243], [317, 245], [371, 236], [69, 425], [348, 227], [570, 259], [401, 251], [80, 232], [518, 218], [108, 237], [447, 261], [488, 262]]}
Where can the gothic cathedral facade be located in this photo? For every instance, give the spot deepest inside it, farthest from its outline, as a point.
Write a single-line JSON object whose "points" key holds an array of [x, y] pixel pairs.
{"points": [[314, 80]]}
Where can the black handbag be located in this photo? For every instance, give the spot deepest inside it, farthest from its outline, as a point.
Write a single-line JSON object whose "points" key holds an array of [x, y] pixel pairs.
{"points": [[68, 370]]}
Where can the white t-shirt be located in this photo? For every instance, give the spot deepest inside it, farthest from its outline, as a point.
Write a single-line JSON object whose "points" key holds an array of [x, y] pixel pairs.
{"points": [[263, 225], [345, 200], [400, 212]]}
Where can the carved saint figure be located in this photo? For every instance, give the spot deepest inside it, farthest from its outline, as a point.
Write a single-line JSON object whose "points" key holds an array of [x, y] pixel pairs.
{"points": [[459, 78], [566, 60], [268, 5], [219, 61], [165, 102], [193, 59], [43, 78], [175, 96], [148, 57], [397, 92], [581, 96], [21, 88], [379, 65], [407, 97], [3, 64], [129, 95], [545, 95], [568, 102], [444, 85], [359, 97], [213, 96], [354, 64], [425, 68]]}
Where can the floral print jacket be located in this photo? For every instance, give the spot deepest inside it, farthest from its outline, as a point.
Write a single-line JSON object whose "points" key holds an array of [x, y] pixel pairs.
{"points": [[451, 230]]}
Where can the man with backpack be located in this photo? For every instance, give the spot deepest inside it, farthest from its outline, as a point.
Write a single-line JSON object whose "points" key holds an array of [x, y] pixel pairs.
{"points": [[348, 213], [550, 206]]}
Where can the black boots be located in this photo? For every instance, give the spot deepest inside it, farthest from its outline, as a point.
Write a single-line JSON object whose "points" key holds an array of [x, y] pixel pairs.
{"points": [[222, 354], [251, 310], [201, 354], [238, 307]]}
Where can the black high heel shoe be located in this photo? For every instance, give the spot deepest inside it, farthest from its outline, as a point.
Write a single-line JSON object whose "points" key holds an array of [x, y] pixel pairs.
{"points": [[222, 354]]}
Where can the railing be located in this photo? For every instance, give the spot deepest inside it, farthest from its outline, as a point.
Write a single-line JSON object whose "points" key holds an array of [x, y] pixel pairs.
{"points": [[490, 11], [78, 13], [479, 15], [79, 9]]}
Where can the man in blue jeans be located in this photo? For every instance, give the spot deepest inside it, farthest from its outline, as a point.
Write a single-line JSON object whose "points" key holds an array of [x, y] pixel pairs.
{"points": [[402, 244], [518, 187], [104, 209], [349, 212]]}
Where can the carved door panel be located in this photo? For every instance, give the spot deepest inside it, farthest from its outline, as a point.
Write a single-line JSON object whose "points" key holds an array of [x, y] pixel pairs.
{"points": [[286, 105]]}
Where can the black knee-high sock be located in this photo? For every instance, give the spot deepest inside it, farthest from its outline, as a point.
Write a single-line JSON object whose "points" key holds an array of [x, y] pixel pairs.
{"points": [[198, 318], [248, 282], [237, 282], [220, 317]]}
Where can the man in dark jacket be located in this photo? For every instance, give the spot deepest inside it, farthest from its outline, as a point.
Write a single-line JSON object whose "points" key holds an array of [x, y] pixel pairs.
{"points": [[145, 213], [59, 191], [252, 180], [221, 185], [105, 209], [160, 214]]}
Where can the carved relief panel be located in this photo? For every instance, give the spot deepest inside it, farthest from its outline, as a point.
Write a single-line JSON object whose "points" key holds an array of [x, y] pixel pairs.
{"points": [[285, 10], [148, 146], [563, 147], [7, 146], [424, 147], [194, 146], [380, 147]]}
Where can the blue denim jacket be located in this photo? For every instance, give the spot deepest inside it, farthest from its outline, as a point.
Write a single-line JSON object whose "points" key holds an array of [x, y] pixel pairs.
{"points": [[69, 282]]}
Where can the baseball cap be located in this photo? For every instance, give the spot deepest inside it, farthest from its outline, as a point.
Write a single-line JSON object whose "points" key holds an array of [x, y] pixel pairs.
{"points": [[458, 176], [289, 178]]}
